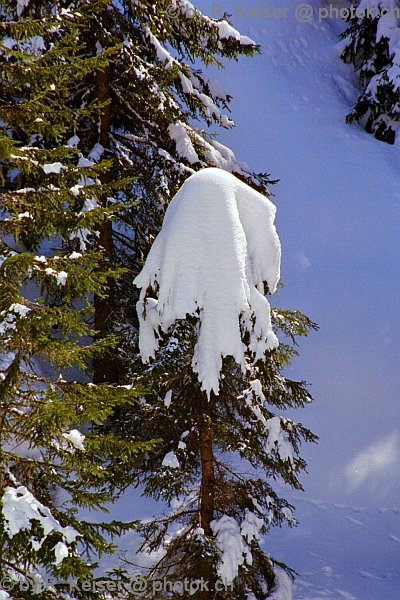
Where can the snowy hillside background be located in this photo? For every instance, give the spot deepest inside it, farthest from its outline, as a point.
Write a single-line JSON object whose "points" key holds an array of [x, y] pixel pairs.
{"points": [[338, 204]]}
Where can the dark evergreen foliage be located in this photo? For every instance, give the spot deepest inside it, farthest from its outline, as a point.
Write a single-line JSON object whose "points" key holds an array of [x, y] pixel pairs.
{"points": [[104, 108], [371, 48], [48, 277], [245, 465]]}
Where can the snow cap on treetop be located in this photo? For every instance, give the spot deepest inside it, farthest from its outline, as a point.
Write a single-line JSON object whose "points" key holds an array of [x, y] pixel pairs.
{"points": [[217, 247]]}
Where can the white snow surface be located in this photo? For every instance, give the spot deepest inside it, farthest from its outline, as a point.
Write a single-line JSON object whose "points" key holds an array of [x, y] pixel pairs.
{"points": [[73, 141], [283, 586], [251, 526], [21, 4], [234, 551], [226, 31], [6, 360], [20, 507], [56, 167], [277, 439], [19, 309], [163, 55], [170, 460], [62, 278], [96, 153], [167, 399], [76, 438], [61, 551], [217, 247], [85, 162], [184, 146], [9, 321]]}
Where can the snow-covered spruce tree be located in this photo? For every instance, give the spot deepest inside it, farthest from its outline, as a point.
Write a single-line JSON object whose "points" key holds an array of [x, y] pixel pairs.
{"points": [[151, 94], [147, 94], [217, 393], [51, 463], [371, 45]]}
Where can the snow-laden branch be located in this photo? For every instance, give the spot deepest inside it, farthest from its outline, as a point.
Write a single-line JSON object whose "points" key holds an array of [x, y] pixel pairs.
{"points": [[217, 247], [20, 507]]}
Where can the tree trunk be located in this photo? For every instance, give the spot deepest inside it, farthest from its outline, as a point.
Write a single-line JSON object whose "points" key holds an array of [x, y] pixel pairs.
{"points": [[207, 498], [105, 368], [207, 477]]}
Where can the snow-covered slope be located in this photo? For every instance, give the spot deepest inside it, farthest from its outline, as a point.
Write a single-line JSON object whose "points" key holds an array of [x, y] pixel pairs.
{"points": [[342, 552], [338, 217]]}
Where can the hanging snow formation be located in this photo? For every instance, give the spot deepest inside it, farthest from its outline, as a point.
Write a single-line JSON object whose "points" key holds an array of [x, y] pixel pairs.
{"points": [[217, 247]]}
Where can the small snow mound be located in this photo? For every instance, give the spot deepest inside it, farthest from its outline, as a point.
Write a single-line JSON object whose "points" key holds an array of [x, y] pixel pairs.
{"points": [[226, 31], [21, 4], [217, 247], [283, 586], [168, 398], [56, 167], [20, 507], [19, 309], [62, 278], [96, 153], [171, 461], [251, 526], [73, 142], [61, 551], [184, 146], [76, 438], [232, 547]]}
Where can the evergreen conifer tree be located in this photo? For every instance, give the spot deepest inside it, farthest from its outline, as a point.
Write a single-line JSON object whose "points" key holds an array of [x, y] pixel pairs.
{"points": [[122, 120], [154, 108], [371, 47], [222, 444], [151, 97], [51, 463]]}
